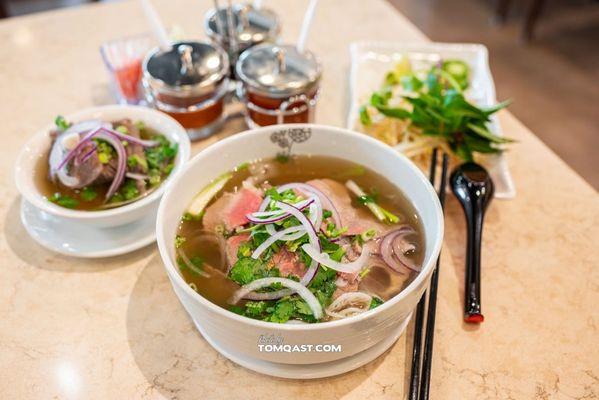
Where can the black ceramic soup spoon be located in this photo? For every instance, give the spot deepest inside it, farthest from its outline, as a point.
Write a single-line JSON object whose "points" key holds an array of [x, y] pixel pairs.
{"points": [[474, 188]]}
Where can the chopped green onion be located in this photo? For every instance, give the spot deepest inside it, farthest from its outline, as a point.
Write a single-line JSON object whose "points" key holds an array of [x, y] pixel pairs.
{"points": [[379, 212]]}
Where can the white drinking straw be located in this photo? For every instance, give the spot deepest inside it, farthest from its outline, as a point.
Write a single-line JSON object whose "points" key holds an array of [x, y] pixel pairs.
{"points": [[156, 24], [301, 41], [219, 23]]}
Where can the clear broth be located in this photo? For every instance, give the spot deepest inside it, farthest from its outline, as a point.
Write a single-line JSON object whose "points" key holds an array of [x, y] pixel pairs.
{"points": [[381, 280], [48, 188]]}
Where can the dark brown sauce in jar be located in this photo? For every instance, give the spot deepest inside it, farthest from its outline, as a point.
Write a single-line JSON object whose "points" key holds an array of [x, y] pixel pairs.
{"points": [[279, 84], [188, 82]]}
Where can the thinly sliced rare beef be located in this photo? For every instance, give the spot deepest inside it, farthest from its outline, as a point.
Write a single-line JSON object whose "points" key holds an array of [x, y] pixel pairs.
{"points": [[231, 209]]}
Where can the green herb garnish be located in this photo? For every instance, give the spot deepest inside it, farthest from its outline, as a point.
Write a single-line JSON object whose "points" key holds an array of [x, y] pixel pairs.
{"points": [[282, 158], [364, 116], [190, 217], [242, 166], [88, 194], [437, 108], [245, 249], [196, 267], [179, 240], [136, 160], [247, 269], [129, 189], [61, 123], [375, 302], [64, 200], [105, 151]]}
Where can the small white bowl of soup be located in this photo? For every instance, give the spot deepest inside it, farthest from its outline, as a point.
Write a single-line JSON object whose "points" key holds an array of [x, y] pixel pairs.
{"points": [[252, 272], [152, 146]]}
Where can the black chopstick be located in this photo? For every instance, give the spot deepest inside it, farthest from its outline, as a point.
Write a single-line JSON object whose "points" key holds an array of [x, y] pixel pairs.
{"points": [[427, 360], [419, 385], [418, 321]]}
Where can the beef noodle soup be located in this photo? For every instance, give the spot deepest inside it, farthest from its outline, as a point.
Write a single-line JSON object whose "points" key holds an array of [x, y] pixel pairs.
{"points": [[301, 239], [96, 165]]}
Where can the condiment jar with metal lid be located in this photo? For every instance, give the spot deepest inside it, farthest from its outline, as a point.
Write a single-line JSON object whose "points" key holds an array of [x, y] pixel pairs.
{"points": [[189, 82], [250, 26], [279, 84]]}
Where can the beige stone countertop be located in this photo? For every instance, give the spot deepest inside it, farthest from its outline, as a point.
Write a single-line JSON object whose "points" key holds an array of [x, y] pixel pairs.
{"points": [[113, 328]]}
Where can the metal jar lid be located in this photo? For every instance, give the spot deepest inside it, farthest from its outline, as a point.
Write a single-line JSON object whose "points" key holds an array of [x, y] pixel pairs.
{"points": [[278, 71], [252, 26], [186, 69]]}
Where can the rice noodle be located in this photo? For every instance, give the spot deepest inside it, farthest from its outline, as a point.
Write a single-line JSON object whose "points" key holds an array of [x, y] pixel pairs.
{"points": [[325, 259], [349, 304]]}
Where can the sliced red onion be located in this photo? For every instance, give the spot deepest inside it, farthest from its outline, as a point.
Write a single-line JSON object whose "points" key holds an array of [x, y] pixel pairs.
{"points": [[301, 205], [271, 240], [57, 154], [86, 126], [264, 204], [99, 128], [297, 287], [268, 295], [262, 214], [401, 246], [270, 229], [136, 176], [255, 217], [327, 203], [131, 139], [67, 180], [75, 150], [288, 237], [316, 212], [121, 168], [315, 217], [87, 155], [312, 235], [305, 227], [324, 259], [391, 250]]}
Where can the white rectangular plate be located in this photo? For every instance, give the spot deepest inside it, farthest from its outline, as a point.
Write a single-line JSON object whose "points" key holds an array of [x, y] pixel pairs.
{"points": [[370, 61]]}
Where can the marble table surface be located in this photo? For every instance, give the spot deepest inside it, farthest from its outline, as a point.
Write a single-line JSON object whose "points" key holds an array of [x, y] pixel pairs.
{"points": [[113, 328]]}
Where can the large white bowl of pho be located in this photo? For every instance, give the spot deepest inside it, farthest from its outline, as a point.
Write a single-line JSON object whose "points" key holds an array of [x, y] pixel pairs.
{"points": [[104, 166], [299, 235]]}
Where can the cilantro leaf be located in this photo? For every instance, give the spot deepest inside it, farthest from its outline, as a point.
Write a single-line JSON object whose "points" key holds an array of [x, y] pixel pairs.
{"points": [[64, 200]]}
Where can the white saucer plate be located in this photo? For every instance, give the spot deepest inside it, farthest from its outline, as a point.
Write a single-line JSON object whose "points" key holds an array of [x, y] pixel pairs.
{"points": [[370, 61], [75, 239]]}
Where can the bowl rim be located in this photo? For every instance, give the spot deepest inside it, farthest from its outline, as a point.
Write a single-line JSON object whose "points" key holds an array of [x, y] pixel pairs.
{"points": [[177, 279], [38, 200]]}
